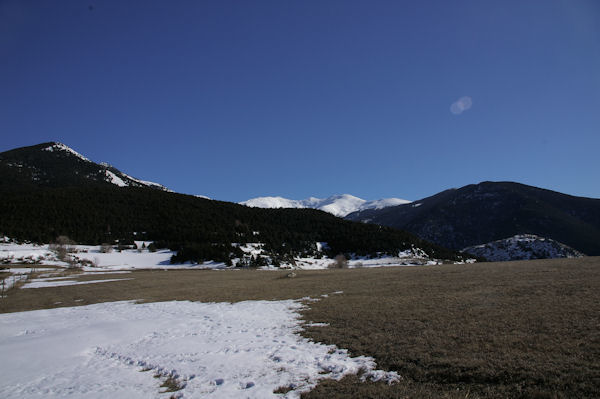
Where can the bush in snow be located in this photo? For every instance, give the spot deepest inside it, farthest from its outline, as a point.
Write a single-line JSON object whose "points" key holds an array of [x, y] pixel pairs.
{"points": [[8, 259], [106, 248], [62, 247], [340, 262]]}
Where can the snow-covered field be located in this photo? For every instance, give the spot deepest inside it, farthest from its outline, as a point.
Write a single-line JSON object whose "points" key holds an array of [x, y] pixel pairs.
{"points": [[131, 259], [127, 350], [125, 260], [404, 258]]}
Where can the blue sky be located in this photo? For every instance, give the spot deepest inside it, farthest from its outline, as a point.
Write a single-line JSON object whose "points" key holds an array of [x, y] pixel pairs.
{"points": [[238, 99]]}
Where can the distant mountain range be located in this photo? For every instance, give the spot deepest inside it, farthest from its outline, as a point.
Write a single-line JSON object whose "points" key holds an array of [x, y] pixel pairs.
{"points": [[49, 189], [338, 205], [54, 164], [489, 211]]}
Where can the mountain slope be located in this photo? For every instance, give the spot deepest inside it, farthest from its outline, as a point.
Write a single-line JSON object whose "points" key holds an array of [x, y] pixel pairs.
{"points": [[56, 165], [50, 190], [489, 211], [338, 205], [97, 214]]}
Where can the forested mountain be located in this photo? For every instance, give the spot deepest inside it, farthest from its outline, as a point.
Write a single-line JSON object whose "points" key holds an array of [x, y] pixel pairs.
{"points": [[102, 214], [41, 200], [481, 213]]}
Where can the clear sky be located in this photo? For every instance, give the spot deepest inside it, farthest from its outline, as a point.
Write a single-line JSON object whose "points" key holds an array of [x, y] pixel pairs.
{"points": [[238, 99]]}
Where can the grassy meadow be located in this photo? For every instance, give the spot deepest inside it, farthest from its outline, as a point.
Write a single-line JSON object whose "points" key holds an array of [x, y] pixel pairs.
{"points": [[526, 329]]}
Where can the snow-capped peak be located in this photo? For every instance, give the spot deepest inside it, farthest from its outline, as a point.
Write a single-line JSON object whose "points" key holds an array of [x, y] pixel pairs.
{"points": [[275, 202], [338, 205], [341, 205], [61, 147]]}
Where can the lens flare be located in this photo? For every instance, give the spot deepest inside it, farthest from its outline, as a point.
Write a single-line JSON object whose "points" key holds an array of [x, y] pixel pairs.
{"points": [[461, 105]]}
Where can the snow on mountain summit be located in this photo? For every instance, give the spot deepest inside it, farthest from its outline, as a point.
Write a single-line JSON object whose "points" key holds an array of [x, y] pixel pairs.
{"points": [[273, 202], [338, 205], [54, 164], [56, 146], [113, 175]]}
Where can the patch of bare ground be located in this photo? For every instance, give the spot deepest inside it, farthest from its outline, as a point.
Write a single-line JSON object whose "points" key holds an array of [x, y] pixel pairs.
{"points": [[513, 329]]}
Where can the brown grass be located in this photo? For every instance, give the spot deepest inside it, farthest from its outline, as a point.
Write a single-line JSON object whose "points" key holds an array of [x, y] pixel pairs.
{"points": [[171, 384], [514, 329]]}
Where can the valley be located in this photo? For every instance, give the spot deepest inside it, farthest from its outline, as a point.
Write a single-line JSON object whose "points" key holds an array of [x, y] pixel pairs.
{"points": [[167, 295], [299, 199], [508, 329]]}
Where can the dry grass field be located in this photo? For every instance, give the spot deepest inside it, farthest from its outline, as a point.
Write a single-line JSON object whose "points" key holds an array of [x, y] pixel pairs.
{"points": [[491, 330]]}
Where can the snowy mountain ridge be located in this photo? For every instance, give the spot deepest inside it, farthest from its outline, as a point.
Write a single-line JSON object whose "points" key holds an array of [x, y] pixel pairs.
{"points": [[113, 175], [338, 205], [56, 164], [523, 247]]}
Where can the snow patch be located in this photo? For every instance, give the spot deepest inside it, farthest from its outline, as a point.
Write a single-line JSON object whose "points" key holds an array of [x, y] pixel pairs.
{"points": [[114, 179], [36, 283], [125, 260], [146, 182], [210, 350], [383, 203], [64, 148], [119, 181]]}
